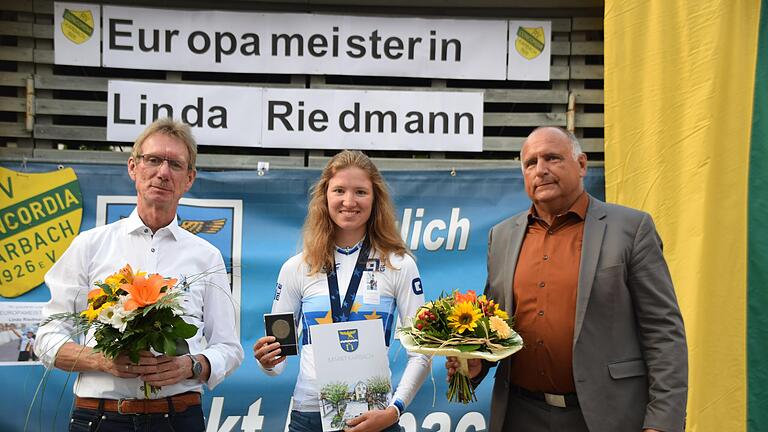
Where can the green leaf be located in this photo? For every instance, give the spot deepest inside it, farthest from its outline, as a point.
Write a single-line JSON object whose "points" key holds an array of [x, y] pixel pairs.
{"points": [[468, 348], [157, 341], [183, 329], [169, 345]]}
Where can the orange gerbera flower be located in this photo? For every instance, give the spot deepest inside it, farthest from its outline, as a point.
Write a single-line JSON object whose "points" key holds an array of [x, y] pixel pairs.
{"points": [[470, 296], [146, 291]]}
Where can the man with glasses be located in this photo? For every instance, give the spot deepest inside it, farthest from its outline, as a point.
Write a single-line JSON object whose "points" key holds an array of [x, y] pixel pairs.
{"points": [[109, 392]]}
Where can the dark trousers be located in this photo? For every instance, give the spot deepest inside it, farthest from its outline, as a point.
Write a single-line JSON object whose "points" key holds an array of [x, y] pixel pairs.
{"points": [[531, 415], [311, 422], [85, 420]]}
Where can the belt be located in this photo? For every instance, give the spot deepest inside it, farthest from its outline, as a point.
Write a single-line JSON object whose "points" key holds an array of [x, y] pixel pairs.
{"points": [[555, 400], [178, 403]]}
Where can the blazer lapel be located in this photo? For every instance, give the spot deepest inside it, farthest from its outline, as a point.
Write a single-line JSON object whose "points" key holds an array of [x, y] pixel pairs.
{"points": [[594, 228], [513, 252]]}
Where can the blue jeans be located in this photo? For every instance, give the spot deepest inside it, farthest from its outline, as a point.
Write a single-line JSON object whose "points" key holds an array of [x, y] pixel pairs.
{"points": [[311, 422], [85, 420]]}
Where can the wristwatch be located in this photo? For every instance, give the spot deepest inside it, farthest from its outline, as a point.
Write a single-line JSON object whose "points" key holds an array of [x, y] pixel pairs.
{"points": [[197, 367]]}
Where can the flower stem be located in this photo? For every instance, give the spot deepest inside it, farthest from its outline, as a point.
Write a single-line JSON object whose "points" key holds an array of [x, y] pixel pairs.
{"points": [[460, 387]]}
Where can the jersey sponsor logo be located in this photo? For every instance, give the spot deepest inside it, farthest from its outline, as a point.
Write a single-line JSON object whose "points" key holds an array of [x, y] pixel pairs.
{"points": [[374, 265], [278, 290], [348, 340], [416, 286]]}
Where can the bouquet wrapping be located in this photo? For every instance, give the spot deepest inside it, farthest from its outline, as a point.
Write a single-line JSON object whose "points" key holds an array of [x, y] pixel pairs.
{"points": [[464, 326], [130, 312]]}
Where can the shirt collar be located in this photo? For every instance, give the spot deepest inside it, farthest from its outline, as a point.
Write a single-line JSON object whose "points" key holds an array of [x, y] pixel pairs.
{"points": [[350, 250], [135, 224], [578, 209]]}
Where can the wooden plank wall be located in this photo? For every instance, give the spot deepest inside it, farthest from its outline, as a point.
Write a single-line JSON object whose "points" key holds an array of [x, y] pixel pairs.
{"points": [[58, 113]]}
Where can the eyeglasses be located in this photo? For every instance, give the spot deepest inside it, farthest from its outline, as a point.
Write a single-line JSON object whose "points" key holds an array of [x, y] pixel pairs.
{"points": [[156, 161]]}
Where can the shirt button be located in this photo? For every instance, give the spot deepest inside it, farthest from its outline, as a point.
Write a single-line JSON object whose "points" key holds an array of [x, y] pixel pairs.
{"points": [[541, 284], [153, 249], [146, 230], [541, 373], [541, 313], [540, 342], [550, 232], [546, 257]]}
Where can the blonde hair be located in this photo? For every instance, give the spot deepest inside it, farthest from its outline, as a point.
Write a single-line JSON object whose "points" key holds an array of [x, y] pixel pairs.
{"points": [[381, 230], [173, 128]]}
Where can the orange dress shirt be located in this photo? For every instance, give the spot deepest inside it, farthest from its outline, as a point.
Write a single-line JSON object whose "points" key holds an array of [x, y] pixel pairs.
{"points": [[545, 285]]}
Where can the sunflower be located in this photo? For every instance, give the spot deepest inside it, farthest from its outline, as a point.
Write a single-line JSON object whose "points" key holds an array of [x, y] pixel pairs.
{"points": [[464, 317]]}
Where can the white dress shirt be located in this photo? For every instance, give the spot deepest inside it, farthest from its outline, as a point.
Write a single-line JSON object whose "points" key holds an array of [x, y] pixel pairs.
{"points": [[171, 252]]}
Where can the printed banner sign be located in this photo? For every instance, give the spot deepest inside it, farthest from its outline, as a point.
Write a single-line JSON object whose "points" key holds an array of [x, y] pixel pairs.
{"points": [[297, 43], [372, 120], [219, 115], [530, 50], [255, 221], [292, 43], [77, 34], [39, 217], [302, 118]]}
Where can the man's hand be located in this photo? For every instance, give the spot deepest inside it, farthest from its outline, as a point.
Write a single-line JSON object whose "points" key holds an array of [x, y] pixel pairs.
{"points": [[267, 352], [120, 366], [372, 421], [452, 365], [164, 370]]}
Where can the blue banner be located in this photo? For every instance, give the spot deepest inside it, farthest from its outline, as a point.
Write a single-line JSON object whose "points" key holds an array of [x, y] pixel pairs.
{"points": [[256, 222]]}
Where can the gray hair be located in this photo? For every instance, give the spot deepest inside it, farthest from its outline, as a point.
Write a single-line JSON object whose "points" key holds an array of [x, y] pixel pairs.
{"points": [[575, 145], [173, 128]]}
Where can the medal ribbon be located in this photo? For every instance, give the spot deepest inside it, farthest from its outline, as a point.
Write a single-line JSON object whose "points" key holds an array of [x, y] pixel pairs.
{"points": [[341, 311]]}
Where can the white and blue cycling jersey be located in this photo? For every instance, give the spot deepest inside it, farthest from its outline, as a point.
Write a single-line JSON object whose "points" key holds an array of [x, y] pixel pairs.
{"points": [[383, 292]]}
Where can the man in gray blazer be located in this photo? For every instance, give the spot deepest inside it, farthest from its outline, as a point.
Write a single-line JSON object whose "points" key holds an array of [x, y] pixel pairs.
{"points": [[605, 347]]}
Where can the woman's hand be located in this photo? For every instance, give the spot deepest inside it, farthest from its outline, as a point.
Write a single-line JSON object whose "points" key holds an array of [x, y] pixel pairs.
{"points": [[373, 421], [474, 366], [267, 352]]}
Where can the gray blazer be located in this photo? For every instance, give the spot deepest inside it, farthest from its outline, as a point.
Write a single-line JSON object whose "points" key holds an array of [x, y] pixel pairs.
{"points": [[630, 360]]}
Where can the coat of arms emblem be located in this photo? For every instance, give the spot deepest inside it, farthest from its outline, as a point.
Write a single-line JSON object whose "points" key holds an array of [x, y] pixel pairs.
{"points": [[348, 339], [77, 25], [530, 41]]}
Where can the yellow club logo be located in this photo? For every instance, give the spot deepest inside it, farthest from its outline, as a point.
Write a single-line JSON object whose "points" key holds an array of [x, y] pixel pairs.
{"points": [[77, 25], [530, 41], [40, 215]]}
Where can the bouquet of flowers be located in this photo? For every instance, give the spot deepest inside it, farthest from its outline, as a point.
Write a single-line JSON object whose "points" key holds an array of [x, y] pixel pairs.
{"points": [[464, 326], [132, 312]]}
